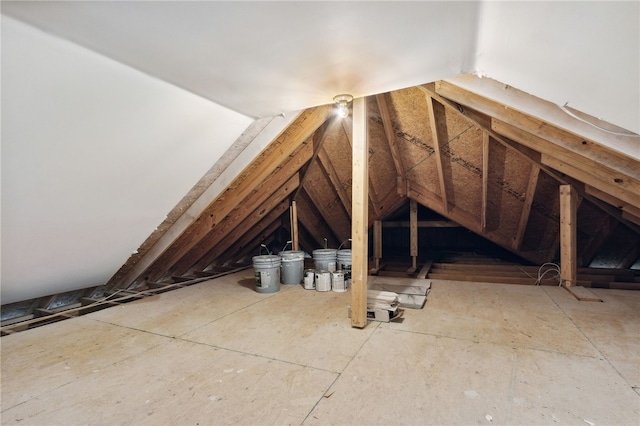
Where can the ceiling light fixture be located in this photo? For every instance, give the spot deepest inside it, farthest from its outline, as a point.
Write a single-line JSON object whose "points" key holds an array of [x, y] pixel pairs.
{"points": [[342, 104]]}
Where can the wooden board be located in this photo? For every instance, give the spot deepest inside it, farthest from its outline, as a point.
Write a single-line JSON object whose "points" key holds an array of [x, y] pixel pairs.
{"points": [[360, 210], [583, 294]]}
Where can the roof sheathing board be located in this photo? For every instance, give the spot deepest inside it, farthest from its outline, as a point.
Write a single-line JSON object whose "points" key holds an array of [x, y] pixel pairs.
{"points": [[313, 222], [544, 220], [408, 111], [507, 185], [462, 155], [338, 151], [384, 180]]}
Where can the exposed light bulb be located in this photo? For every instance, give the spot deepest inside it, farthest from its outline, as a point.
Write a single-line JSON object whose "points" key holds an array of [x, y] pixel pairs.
{"points": [[342, 110], [342, 105]]}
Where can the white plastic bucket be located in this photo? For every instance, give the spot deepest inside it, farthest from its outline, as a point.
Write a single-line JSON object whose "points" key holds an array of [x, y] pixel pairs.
{"points": [[344, 264], [309, 279], [323, 281], [292, 269], [338, 283], [267, 273], [325, 259]]}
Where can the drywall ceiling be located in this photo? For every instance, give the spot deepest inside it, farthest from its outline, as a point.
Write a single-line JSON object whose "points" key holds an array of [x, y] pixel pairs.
{"points": [[265, 58], [585, 54]]}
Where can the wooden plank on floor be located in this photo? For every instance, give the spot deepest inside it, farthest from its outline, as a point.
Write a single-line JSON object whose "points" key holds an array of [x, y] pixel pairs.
{"points": [[425, 269], [583, 294]]}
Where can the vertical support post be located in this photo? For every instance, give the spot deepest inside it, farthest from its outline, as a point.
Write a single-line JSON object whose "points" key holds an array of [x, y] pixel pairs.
{"points": [[359, 214], [377, 244], [413, 233], [568, 234], [294, 227], [485, 180]]}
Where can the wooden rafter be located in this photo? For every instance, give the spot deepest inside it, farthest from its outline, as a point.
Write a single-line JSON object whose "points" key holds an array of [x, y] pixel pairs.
{"points": [[629, 212], [252, 206], [226, 249], [469, 221], [331, 174], [590, 250], [533, 157], [312, 220], [238, 190], [187, 211], [583, 159], [435, 134], [317, 195], [568, 167], [485, 180], [254, 247], [516, 107], [318, 141], [393, 146], [206, 252], [526, 208], [257, 235]]}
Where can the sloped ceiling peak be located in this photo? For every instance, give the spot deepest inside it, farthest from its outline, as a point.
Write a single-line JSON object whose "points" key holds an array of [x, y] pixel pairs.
{"points": [[265, 58]]}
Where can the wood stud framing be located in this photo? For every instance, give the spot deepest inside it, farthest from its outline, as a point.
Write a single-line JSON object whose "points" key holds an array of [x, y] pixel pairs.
{"points": [[439, 160], [393, 146], [360, 211], [485, 180], [413, 235], [526, 208], [568, 227]]}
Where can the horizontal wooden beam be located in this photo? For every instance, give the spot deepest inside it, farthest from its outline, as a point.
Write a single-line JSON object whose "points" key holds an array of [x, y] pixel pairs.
{"points": [[422, 224], [539, 116]]}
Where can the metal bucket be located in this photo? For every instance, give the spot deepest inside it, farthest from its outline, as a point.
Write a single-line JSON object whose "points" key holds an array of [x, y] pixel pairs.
{"points": [[323, 281], [309, 279], [292, 269], [267, 272], [338, 284], [344, 264], [325, 259]]}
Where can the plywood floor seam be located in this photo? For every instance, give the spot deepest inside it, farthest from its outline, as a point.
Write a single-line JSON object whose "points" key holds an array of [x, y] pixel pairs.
{"points": [[220, 353]]}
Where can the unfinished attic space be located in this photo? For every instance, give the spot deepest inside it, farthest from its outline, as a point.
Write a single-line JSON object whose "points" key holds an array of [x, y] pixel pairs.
{"points": [[197, 233], [465, 202], [449, 172], [459, 188]]}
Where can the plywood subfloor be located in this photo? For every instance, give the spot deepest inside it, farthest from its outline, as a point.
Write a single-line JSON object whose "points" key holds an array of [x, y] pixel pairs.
{"points": [[219, 353]]}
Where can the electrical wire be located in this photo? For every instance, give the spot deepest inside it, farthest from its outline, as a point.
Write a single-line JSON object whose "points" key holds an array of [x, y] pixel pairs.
{"points": [[602, 129], [554, 268]]}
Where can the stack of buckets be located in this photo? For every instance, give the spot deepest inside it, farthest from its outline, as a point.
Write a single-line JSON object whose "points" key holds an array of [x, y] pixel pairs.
{"points": [[271, 270], [332, 270]]}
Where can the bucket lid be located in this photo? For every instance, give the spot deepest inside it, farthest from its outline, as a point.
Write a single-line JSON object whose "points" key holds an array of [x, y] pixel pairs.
{"points": [[328, 251], [344, 253], [292, 254], [266, 259]]}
